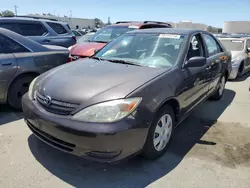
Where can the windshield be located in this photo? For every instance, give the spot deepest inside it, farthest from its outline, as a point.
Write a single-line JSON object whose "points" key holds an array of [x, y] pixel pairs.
{"points": [[233, 45], [109, 33], [152, 50], [84, 37]]}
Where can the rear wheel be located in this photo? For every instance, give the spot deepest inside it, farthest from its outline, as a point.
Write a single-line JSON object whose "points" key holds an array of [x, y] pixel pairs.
{"points": [[17, 89], [241, 70], [220, 89], [160, 133]]}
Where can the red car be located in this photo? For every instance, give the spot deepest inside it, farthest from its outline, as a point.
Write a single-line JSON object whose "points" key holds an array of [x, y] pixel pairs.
{"points": [[105, 35]]}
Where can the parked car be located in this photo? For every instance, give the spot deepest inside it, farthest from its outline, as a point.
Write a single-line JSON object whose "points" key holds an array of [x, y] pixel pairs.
{"points": [[21, 60], [127, 98], [85, 37], [240, 49], [105, 35], [41, 30], [76, 33]]}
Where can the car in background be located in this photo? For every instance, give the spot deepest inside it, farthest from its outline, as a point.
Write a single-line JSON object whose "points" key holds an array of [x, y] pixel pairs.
{"points": [[83, 38], [41, 30], [76, 33], [21, 60], [240, 49], [108, 33], [128, 97]]}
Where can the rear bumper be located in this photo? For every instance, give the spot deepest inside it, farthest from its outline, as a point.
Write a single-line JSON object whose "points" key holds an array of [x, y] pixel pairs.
{"points": [[98, 142]]}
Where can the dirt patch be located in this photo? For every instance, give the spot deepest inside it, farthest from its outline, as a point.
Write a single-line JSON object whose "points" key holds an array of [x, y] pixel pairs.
{"points": [[225, 143]]}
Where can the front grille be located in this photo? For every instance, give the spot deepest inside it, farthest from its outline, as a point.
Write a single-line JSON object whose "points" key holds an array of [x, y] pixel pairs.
{"points": [[68, 147], [56, 106]]}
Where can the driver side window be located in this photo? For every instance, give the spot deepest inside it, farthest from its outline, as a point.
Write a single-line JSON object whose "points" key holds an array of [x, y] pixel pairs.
{"points": [[195, 47]]}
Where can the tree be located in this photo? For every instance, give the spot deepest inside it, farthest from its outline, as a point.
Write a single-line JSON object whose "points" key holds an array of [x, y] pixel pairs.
{"points": [[98, 22], [109, 23], [7, 13]]}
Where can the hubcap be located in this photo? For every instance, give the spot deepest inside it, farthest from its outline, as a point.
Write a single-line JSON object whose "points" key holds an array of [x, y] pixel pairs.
{"points": [[162, 132], [221, 85]]}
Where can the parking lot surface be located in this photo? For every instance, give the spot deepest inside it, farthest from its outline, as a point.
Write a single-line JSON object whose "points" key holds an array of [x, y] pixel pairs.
{"points": [[211, 148]]}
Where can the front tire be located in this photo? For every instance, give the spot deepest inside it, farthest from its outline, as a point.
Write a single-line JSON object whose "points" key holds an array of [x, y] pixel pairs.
{"points": [[17, 89], [160, 133], [220, 89]]}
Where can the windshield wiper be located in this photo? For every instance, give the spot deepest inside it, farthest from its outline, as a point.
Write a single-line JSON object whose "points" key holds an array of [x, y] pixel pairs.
{"points": [[98, 41], [122, 62], [98, 58]]}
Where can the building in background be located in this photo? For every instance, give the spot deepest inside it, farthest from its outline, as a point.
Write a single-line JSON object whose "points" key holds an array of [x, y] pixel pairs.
{"points": [[74, 23], [236, 27]]}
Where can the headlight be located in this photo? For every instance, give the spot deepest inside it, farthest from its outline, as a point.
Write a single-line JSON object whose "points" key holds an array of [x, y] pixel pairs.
{"points": [[110, 111], [30, 92]]}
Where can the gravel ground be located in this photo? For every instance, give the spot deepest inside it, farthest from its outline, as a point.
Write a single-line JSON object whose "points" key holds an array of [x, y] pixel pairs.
{"points": [[211, 148]]}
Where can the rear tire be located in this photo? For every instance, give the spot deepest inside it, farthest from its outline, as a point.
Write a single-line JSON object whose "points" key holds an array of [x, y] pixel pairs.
{"points": [[17, 89], [241, 70], [220, 89], [160, 133]]}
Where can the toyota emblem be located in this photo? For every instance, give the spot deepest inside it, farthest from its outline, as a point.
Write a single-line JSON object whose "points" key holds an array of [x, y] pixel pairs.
{"points": [[47, 100]]}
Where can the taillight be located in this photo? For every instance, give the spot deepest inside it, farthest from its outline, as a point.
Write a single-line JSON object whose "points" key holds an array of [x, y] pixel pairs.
{"points": [[74, 37]]}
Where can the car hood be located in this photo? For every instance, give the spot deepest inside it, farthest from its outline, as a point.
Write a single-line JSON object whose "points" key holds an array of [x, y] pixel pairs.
{"points": [[238, 54], [89, 81], [56, 48], [86, 49]]}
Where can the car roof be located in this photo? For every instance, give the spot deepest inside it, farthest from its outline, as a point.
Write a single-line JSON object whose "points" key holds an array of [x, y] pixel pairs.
{"points": [[30, 44], [138, 23], [168, 30], [31, 19]]}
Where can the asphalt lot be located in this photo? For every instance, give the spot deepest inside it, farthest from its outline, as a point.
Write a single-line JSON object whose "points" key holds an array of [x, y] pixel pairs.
{"points": [[211, 148]]}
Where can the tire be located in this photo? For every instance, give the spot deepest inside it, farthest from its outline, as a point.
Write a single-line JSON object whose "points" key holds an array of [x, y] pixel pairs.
{"points": [[241, 70], [17, 89], [220, 89], [151, 149]]}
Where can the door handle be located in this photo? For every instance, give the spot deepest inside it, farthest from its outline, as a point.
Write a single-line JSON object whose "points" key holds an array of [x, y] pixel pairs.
{"points": [[208, 67], [6, 64], [46, 40]]}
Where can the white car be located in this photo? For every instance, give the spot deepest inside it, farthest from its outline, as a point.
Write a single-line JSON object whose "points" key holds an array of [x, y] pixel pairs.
{"points": [[240, 49]]}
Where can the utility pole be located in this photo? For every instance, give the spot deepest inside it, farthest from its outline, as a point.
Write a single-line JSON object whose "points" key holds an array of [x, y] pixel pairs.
{"points": [[16, 7]]}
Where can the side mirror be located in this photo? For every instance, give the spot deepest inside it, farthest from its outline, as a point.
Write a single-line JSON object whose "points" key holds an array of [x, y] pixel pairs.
{"points": [[196, 62], [248, 49]]}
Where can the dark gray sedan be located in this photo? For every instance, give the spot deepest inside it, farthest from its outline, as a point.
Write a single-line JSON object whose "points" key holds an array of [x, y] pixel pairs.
{"points": [[127, 98], [21, 60]]}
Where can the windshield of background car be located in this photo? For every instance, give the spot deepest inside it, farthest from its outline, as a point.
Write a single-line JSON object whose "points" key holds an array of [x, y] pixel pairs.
{"points": [[144, 49], [84, 37], [109, 33], [233, 45]]}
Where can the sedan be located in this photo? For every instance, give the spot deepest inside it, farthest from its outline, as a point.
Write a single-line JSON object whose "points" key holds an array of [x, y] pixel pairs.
{"points": [[21, 60], [129, 97], [240, 49]]}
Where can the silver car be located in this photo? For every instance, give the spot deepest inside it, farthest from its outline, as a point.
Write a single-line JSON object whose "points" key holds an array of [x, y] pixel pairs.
{"points": [[21, 60], [240, 49]]}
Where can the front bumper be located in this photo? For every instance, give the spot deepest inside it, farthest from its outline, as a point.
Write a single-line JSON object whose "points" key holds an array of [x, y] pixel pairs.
{"points": [[234, 72], [99, 142]]}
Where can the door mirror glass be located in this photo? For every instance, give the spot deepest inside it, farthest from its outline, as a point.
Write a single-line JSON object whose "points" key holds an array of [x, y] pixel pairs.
{"points": [[196, 62], [248, 49]]}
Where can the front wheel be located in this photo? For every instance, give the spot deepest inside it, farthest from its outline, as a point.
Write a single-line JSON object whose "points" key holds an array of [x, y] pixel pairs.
{"points": [[220, 89], [160, 133]]}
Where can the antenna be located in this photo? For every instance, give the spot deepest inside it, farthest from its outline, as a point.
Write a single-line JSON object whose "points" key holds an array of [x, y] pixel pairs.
{"points": [[16, 7]]}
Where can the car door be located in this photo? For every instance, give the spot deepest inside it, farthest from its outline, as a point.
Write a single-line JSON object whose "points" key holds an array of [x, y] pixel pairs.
{"points": [[8, 65], [215, 57], [196, 79]]}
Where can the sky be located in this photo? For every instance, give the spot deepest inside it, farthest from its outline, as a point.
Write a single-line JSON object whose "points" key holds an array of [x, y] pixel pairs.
{"points": [[210, 12]]}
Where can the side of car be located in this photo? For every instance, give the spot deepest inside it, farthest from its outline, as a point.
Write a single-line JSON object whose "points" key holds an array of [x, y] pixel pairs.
{"points": [[19, 65], [201, 73], [41, 30], [245, 63]]}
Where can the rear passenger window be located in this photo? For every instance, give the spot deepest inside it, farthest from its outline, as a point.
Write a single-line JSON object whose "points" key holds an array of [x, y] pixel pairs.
{"points": [[25, 29], [58, 28], [212, 46], [9, 46]]}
